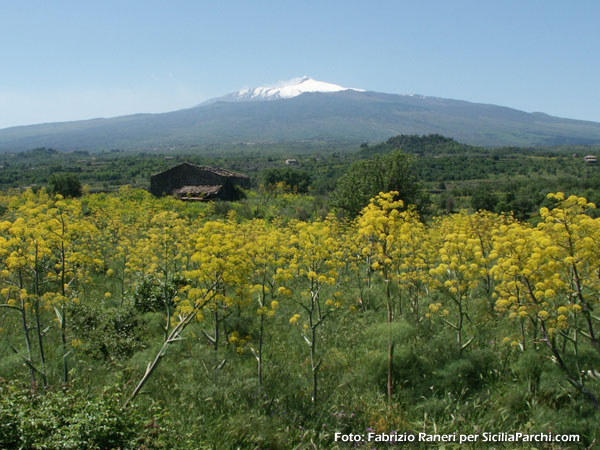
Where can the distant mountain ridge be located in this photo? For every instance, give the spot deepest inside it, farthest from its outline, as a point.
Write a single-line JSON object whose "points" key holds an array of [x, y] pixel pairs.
{"points": [[307, 110]]}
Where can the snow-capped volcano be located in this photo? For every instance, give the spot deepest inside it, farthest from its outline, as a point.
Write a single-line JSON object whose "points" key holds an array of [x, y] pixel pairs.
{"points": [[308, 111], [284, 89]]}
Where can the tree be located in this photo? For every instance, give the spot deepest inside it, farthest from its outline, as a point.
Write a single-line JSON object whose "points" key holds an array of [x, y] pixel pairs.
{"points": [[65, 184], [483, 199], [297, 180], [365, 179]]}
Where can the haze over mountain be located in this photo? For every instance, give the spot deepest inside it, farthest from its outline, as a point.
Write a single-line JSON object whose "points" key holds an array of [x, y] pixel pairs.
{"points": [[305, 109]]}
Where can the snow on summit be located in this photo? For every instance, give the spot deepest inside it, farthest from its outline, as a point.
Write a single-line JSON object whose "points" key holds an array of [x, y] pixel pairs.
{"points": [[285, 89], [291, 88]]}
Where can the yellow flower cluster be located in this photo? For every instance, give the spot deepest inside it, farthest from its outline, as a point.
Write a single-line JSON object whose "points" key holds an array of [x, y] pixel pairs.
{"points": [[294, 319]]}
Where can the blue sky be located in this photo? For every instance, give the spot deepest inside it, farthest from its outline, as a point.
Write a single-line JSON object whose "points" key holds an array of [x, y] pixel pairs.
{"points": [[68, 60]]}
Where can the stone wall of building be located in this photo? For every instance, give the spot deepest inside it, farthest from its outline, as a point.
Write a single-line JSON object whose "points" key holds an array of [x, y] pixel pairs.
{"points": [[190, 175]]}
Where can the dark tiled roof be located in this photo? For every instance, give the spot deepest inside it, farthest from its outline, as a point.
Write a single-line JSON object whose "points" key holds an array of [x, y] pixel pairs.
{"points": [[216, 170]]}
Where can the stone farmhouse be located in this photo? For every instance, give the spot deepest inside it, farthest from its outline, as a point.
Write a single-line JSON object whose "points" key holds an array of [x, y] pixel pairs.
{"points": [[196, 183]]}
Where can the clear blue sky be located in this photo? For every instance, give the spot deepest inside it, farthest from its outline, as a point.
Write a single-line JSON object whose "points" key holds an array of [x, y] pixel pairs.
{"points": [[68, 60]]}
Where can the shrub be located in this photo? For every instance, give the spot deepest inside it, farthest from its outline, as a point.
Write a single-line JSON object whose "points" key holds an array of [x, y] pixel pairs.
{"points": [[113, 334], [151, 293], [68, 421]]}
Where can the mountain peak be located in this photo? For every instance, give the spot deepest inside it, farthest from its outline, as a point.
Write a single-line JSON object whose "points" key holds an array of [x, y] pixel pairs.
{"points": [[284, 89]]}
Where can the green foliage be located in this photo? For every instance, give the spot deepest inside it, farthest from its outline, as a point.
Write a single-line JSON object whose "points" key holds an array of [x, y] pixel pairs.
{"points": [[221, 209], [484, 199], [298, 180], [529, 367], [519, 203], [417, 144], [111, 334], [365, 179], [70, 421], [400, 333], [65, 184], [472, 370], [438, 161], [154, 294]]}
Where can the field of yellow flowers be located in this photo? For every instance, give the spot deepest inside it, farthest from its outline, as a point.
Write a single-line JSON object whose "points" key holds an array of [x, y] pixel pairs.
{"points": [[134, 322]]}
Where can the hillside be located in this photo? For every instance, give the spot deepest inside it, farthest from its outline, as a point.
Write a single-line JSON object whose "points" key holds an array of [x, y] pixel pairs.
{"points": [[349, 116]]}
